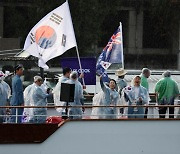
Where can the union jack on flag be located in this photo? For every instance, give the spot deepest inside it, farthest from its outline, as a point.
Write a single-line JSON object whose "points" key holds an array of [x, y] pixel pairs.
{"points": [[114, 40]]}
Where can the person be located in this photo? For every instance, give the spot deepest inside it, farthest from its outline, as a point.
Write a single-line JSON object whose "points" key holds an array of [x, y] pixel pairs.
{"points": [[166, 90], [38, 98], [178, 109], [121, 83], [108, 96], [17, 94], [75, 113], [5, 93], [136, 95], [144, 76], [80, 79], [56, 90], [144, 82], [28, 112]]}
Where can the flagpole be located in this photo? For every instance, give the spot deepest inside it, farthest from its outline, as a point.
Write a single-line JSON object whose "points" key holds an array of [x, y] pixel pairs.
{"points": [[42, 72], [80, 64], [78, 55], [122, 45]]}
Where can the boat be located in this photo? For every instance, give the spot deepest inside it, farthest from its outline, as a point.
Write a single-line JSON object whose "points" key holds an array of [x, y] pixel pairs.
{"points": [[92, 136], [89, 136]]}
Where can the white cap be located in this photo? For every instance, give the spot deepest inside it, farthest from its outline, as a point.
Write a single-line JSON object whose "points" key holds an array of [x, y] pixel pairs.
{"points": [[36, 78], [74, 74]]}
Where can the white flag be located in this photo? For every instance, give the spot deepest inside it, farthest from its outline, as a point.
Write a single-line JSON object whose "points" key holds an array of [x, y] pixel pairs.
{"points": [[51, 36]]}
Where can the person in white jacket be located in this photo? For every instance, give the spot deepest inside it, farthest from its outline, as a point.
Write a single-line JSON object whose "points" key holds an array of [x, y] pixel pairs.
{"points": [[136, 95], [56, 90], [38, 98], [74, 112], [5, 93], [107, 97]]}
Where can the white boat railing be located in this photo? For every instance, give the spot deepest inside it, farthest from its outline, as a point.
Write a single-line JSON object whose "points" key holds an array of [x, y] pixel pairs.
{"points": [[88, 108]]}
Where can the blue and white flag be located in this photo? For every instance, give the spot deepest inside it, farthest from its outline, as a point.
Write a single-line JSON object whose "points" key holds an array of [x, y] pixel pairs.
{"points": [[112, 53]]}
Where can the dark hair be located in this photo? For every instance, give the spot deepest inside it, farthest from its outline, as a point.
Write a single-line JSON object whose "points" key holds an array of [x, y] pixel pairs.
{"points": [[17, 67], [137, 76], [113, 80], [66, 70], [121, 77]]}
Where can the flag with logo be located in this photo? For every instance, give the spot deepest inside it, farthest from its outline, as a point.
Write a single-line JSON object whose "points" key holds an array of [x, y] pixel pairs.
{"points": [[112, 53], [51, 36]]}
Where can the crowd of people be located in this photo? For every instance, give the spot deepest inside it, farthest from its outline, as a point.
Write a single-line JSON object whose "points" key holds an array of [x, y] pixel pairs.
{"points": [[114, 93], [135, 96], [33, 98], [33, 95]]}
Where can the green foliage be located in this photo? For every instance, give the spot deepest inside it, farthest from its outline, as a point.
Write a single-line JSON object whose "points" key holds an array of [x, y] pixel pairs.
{"points": [[94, 20], [165, 16], [87, 16]]}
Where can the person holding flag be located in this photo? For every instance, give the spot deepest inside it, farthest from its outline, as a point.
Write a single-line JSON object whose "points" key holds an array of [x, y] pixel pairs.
{"points": [[108, 97], [112, 53], [56, 91]]}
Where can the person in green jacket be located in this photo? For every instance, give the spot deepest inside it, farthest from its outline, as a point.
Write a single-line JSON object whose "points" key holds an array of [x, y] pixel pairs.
{"points": [[166, 90], [144, 76], [144, 82]]}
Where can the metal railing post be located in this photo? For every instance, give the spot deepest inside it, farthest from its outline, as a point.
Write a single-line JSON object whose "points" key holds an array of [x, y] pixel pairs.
{"points": [[16, 115]]}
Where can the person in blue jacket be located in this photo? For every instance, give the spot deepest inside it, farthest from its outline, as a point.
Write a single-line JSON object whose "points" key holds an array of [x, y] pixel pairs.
{"points": [[136, 95], [56, 91], [107, 97], [38, 98], [75, 113], [17, 94]]}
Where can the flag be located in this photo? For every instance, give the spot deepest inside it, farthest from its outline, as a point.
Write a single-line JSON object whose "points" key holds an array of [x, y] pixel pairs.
{"points": [[51, 36], [112, 53]]}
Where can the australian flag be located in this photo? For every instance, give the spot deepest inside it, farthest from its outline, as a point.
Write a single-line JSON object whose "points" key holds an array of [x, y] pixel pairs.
{"points": [[112, 53]]}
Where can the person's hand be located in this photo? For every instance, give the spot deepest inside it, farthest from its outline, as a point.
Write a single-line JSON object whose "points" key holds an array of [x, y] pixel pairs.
{"points": [[83, 109], [49, 90], [121, 110], [140, 99], [8, 111], [84, 86], [81, 75]]}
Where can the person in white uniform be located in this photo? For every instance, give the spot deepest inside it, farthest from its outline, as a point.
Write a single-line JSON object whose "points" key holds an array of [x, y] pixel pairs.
{"points": [[75, 113], [5, 93], [56, 90]]}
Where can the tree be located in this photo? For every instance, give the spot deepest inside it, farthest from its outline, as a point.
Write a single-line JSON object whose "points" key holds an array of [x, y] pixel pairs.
{"points": [[164, 16], [88, 19]]}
